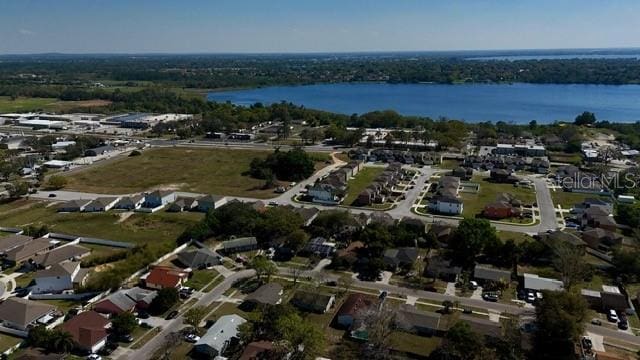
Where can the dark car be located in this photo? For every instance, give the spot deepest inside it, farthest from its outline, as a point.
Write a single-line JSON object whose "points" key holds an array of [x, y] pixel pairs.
{"points": [[126, 338], [172, 315], [332, 283], [108, 349], [52, 195], [143, 315], [493, 297], [623, 325]]}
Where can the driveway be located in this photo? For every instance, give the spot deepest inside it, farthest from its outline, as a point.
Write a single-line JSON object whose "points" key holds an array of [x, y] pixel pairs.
{"points": [[147, 350]]}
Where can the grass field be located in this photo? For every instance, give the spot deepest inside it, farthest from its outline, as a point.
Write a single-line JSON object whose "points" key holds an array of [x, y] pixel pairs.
{"points": [[569, 199], [200, 278], [151, 229], [475, 203], [363, 179], [212, 171], [45, 104], [414, 344]]}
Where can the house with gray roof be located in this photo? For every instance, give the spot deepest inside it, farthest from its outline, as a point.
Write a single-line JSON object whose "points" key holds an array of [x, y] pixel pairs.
{"points": [[101, 204], [59, 277], [219, 336], [12, 241], [210, 202], [130, 202], [485, 273], [239, 245], [60, 254], [115, 304], [28, 250], [400, 257], [21, 314], [183, 204], [74, 205], [267, 294], [313, 301], [200, 258], [535, 282], [159, 198], [410, 319], [100, 150]]}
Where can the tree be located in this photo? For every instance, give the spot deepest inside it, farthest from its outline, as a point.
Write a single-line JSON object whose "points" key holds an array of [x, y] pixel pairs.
{"points": [[164, 300], [626, 263], [380, 325], [17, 189], [586, 118], [460, 343], [124, 323], [263, 267], [56, 182], [560, 318], [296, 240], [61, 341], [569, 261], [303, 339], [194, 317], [469, 239]]}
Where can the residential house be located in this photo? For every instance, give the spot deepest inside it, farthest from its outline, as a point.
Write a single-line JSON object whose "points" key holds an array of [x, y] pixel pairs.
{"points": [[400, 257], [28, 251], [500, 210], [162, 277], [438, 267], [22, 314], [610, 297], [101, 204], [219, 336], [12, 241], [200, 258], [88, 330], [141, 297], [159, 198], [183, 204], [239, 245], [210, 202], [130, 202], [441, 231], [73, 206], [561, 237], [598, 217], [488, 274], [462, 173], [59, 277], [267, 294], [320, 247], [353, 306], [601, 239], [325, 193], [100, 150], [313, 301], [257, 350], [606, 206], [535, 282], [503, 176], [115, 304], [410, 319], [446, 199], [60, 254]]}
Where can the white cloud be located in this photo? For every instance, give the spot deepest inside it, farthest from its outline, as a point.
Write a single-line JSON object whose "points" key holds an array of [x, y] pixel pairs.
{"points": [[26, 32]]}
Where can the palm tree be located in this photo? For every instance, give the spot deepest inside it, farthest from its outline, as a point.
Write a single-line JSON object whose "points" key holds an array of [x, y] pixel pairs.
{"points": [[62, 341]]}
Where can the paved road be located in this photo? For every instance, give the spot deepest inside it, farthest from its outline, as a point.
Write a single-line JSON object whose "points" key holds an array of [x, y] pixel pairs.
{"points": [[176, 324]]}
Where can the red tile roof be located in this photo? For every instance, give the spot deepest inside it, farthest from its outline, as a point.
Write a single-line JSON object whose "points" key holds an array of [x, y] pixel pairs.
{"points": [[87, 328], [165, 277]]}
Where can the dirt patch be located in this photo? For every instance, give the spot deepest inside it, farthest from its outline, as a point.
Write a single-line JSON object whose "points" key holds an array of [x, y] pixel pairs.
{"points": [[172, 187], [124, 216], [103, 267]]}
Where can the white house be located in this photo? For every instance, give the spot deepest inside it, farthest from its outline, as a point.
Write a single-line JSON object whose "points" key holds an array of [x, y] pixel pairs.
{"points": [[59, 277], [448, 205]]}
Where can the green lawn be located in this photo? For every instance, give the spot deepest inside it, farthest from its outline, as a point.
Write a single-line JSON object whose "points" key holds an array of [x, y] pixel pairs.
{"points": [[201, 278], [569, 199], [145, 338], [212, 171], [7, 341], [515, 236], [449, 164], [363, 179], [475, 203], [24, 104], [414, 344]]}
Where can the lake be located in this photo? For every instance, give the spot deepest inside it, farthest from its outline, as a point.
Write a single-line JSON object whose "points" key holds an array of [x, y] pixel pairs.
{"points": [[518, 103]]}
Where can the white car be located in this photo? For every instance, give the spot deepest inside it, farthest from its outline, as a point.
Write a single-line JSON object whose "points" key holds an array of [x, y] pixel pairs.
{"points": [[192, 338], [94, 357], [473, 285], [531, 297], [612, 316]]}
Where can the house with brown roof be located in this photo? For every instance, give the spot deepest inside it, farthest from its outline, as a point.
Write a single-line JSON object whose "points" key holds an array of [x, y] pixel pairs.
{"points": [[125, 300], [601, 239], [88, 330], [162, 277], [352, 308], [256, 350], [22, 314], [28, 251]]}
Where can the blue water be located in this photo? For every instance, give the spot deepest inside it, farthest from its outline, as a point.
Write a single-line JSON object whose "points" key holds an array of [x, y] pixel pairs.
{"points": [[518, 103]]}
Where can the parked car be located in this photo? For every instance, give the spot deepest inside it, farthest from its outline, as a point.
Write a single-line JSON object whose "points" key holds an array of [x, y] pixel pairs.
{"points": [[52, 195], [126, 338], [473, 285], [586, 343], [612, 316], [192, 338], [143, 314], [94, 357], [623, 325], [172, 315], [331, 283], [489, 296], [531, 297], [596, 322]]}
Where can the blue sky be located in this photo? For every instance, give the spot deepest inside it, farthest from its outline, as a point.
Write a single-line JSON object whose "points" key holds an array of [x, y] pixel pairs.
{"points": [[140, 26]]}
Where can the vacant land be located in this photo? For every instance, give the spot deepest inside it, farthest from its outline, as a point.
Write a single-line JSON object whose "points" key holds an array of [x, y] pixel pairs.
{"points": [[211, 171], [201, 278], [44, 104], [568, 199], [363, 179], [475, 203]]}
